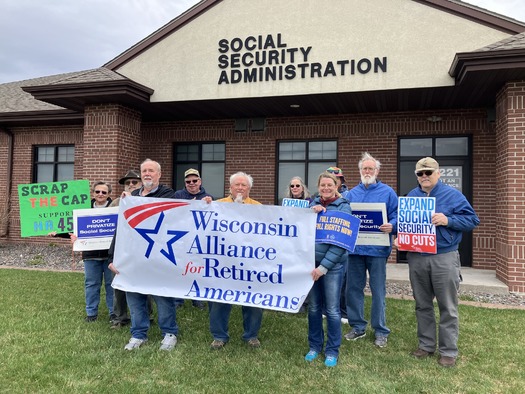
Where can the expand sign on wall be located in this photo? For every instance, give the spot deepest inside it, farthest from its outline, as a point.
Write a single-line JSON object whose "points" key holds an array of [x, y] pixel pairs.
{"points": [[268, 57]]}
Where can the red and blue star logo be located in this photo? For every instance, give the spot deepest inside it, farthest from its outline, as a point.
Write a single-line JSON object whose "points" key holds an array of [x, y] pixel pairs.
{"points": [[138, 214]]}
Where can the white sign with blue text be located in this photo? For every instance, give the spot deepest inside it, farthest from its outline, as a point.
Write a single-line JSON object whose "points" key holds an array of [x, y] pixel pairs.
{"points": [[253, 255], [94, 228]]}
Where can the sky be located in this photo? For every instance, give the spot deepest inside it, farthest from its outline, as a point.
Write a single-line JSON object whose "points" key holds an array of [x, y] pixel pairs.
{"points": [[47, 37]]}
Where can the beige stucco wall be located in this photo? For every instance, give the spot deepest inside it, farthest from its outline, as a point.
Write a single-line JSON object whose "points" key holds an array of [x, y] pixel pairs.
{"points": [[418, 41]]}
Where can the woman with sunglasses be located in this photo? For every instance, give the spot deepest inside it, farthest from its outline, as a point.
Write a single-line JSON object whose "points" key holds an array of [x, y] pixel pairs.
{"points": [[297, 189], [328, 277], [96, 262]]}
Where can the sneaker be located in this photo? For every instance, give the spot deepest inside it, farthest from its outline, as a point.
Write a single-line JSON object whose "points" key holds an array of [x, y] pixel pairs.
{"points": [[112, 318], [381, 341], [446, 361], [254, 343], [354, 335], [311, 356], [330, 361], [90, 319], [169, 342], [420, 353], [134, 343], [217, 344]]}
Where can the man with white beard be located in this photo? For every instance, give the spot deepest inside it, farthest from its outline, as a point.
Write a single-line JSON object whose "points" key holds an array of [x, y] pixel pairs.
{"points": [[371, 258], [240, 186]]}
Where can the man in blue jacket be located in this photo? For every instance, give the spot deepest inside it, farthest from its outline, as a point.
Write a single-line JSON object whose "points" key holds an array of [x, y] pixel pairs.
{"points": [[371, 258], [438, 275]]}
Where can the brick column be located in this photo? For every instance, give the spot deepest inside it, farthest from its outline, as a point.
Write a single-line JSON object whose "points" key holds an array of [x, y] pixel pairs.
{"points": [[510, 186], [112, 143]]}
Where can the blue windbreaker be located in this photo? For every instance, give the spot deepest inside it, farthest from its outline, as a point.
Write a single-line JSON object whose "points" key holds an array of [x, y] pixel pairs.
{"points": [[453, 204], [376, 192]]}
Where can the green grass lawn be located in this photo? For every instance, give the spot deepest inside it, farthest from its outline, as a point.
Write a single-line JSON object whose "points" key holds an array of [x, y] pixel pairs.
{"points": [[45, 347]]}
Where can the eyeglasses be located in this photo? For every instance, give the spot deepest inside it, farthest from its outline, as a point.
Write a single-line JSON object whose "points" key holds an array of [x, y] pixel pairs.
{"points": [[368, 169], [100, 191], [134, 182], [292, 186], [190, 181], [427, 173]]}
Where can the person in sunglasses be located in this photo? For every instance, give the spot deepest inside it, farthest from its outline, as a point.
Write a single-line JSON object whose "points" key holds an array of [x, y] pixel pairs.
{"points": [[192, 190], [298, 190], [438, 275], [96, 262], [120, 318]]}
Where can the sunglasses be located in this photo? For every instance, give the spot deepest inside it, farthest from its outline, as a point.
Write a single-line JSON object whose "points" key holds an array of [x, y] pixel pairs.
{"points": [[427, 173], [292, 186], [134, 182], [100, 191], [190, 181]]}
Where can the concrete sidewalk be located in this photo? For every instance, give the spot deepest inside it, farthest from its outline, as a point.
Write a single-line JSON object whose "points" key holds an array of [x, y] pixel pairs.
{"points": [[473, 279]]}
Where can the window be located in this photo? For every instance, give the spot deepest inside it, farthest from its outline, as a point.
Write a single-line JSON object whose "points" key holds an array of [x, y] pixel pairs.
{"points": [[208, 158], [53, 163], [306, 159]]}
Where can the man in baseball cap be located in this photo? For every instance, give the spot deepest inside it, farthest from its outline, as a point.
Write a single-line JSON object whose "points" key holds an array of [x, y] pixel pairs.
{"points": [[193, 190]]}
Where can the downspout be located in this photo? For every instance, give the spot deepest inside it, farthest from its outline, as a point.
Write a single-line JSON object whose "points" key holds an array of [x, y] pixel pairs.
{"points": [[4, 214]]}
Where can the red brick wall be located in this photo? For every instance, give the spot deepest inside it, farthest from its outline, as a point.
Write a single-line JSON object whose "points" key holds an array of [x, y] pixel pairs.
{"points": [[113, 141], [510, 184]]}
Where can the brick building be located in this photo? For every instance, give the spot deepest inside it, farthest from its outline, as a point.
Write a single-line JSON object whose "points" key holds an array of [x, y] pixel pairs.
{"points": [[279, 89]]}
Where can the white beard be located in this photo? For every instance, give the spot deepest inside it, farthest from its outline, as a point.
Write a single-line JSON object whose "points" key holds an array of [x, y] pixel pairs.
{"points": [[238, 199], [368, 181]]}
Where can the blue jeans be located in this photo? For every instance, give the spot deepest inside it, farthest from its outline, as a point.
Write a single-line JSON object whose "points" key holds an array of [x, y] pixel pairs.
{"points": [[355, 296], [138, 308], [326, 290], [94, 271], [220, 317]]}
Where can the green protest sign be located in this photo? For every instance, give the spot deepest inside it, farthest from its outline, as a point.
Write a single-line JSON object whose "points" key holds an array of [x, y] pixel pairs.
{"points": [[47, 207]]}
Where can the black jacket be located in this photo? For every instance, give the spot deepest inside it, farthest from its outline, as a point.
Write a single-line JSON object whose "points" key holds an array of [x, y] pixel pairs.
{"points": [[161, 192]]}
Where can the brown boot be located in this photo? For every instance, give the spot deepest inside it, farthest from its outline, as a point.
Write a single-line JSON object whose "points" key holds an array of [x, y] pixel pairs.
{"points": [[446, 361], [420, 353]]}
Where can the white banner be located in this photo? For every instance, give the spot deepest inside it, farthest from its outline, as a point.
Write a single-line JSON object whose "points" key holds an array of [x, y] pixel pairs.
{"points": [[254, 255]]}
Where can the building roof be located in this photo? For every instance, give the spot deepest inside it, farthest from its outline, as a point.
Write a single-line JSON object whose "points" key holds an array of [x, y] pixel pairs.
{"points": [[65, 95]]}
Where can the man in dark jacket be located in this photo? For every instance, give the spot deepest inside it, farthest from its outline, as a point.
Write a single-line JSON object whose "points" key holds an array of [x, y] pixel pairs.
{"points": [[150, 173], [192, 191]]}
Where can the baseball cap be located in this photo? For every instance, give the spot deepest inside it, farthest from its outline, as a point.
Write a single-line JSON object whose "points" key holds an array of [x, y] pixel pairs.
{"points": [[336, 171], [427, 163], [192, 171], [131, 174]]}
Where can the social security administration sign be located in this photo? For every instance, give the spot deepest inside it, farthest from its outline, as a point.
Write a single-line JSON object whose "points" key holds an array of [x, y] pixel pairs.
{"points": [[337, 228], [94, 228], [253, 255], [415, 231]]}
